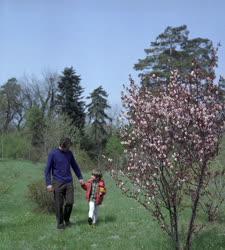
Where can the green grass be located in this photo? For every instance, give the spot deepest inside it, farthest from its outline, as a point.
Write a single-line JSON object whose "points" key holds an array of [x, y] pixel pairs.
{"points": [[123, 223]]}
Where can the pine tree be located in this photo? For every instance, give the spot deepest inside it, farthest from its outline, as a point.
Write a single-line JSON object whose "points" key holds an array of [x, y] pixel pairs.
{"points": [[36, 125], [96, 112], [172, 50], [69, 98]]}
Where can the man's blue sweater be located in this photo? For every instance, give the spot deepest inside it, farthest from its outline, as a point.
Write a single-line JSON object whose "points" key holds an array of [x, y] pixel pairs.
{"points": [[58, 167]]}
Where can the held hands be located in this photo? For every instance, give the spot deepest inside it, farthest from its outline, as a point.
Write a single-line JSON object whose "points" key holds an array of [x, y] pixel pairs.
{"points": [[83, 185], [81, 182]]}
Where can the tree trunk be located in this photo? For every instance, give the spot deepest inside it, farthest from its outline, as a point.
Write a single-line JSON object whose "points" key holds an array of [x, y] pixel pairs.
{"points": [[194, 208], [176, 228]]}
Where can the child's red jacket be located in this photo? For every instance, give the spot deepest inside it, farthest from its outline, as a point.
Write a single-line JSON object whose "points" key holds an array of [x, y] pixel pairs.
{"points": [[101, 191]]}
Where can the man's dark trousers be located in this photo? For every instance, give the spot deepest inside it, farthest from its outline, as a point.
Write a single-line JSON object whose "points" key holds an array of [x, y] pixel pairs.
{"points": [[63, 192]]}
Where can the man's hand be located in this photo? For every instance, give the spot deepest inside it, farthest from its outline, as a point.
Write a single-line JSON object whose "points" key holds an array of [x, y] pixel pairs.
{"points": [[50, 188], [81, 181]]}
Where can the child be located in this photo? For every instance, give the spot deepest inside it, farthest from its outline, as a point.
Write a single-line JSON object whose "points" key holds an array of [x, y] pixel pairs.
{"points": [[95, 191]]}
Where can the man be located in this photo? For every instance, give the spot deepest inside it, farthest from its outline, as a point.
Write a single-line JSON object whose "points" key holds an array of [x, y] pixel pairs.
{"points": [[59, 180]]}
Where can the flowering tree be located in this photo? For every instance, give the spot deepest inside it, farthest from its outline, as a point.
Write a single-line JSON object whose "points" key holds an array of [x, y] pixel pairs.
{"points": [[170, 137]]}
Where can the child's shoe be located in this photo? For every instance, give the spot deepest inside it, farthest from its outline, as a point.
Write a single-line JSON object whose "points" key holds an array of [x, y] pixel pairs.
{"points": [[90, 221]]}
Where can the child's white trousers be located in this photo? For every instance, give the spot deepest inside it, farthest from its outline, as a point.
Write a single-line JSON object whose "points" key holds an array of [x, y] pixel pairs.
{"points": [[93, 211]]}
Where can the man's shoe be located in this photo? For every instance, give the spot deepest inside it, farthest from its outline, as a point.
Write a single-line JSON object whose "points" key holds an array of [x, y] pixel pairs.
{"points": [[68, 223], [60, 226], [90, 221]]}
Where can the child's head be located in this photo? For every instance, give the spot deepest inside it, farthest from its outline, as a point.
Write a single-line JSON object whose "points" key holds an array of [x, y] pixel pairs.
{"points": [[96, 173]]}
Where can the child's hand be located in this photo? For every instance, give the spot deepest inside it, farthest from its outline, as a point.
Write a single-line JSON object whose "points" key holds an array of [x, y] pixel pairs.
{"points": [[84, 186]]}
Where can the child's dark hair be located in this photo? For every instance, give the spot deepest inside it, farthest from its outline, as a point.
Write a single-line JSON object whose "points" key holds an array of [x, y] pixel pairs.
{"points": [[97, 173]]}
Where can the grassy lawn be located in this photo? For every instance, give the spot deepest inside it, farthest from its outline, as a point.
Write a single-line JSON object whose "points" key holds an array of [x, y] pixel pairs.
{"points": [[123, 223]]}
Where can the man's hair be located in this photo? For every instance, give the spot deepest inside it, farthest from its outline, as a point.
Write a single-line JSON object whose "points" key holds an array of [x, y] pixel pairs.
{"points": [[65, 142]]}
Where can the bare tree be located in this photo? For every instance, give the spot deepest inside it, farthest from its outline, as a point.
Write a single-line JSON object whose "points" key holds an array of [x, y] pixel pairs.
{"points": [[40, 92]]}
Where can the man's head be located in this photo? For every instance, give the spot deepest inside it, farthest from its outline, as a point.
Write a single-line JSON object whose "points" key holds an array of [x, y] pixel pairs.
{"points": [[65, 143]]}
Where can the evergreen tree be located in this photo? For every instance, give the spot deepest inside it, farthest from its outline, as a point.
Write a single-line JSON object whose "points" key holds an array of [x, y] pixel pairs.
{"points": [[36, 125], [69, 97], [172, 50], [96, 112], [11, 106]]}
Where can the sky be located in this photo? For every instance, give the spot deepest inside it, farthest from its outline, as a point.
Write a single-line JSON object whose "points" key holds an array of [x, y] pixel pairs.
{"points": [[101, 39]]}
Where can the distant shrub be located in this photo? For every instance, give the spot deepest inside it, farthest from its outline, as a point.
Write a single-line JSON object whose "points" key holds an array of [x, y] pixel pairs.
{"points": [[4, 189], [36, 154], [58, 127], [15, 145], [84, 160], [114, 148], [38, 194]]}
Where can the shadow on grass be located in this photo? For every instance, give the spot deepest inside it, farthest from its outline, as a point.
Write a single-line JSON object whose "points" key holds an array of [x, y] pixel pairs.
{"points": [[5, 226], [107, 219], [4, 160], [79, 222], [13, 226], [101, 220]]}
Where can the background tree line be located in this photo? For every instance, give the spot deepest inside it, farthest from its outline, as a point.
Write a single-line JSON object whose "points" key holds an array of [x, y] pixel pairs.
{"points": [[35, 113]]}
